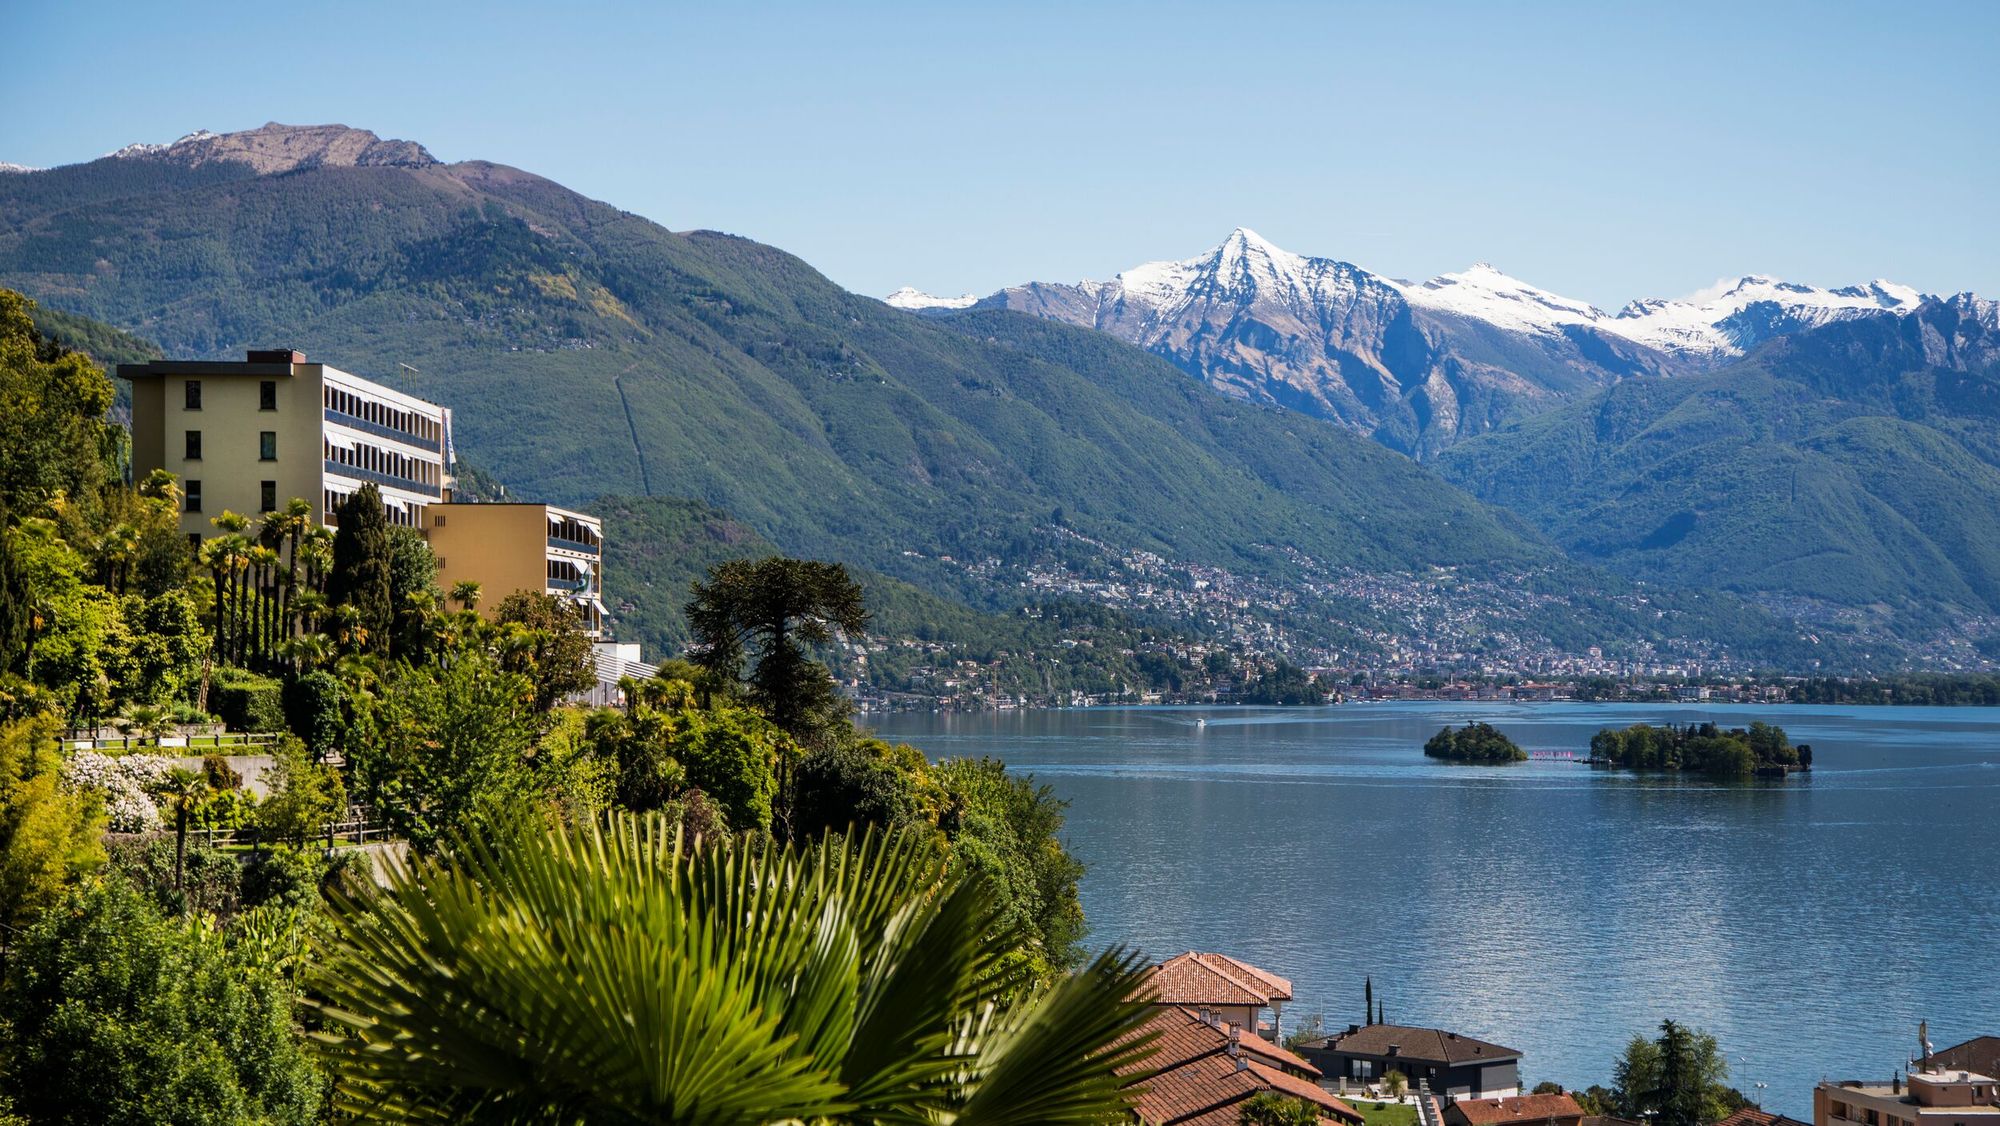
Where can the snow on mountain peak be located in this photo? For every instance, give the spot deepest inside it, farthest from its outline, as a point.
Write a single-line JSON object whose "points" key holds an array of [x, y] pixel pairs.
{"points": [[1483, 292], [6, 166], [912, 298]]}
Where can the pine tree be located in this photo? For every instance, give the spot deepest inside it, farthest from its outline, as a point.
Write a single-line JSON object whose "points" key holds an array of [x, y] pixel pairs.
{"points": [[361, 566]]}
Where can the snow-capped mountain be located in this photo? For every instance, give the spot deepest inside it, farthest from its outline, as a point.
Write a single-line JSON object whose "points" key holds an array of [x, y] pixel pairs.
{"points": [[917, 300], [6, 166], [1420, 364]]}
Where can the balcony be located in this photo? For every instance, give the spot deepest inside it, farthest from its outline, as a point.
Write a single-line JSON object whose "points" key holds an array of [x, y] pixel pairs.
{"points": [[356, 472], [403, 436], [560, 544]]}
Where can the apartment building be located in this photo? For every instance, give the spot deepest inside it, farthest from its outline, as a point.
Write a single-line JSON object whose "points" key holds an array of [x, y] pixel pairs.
{"points": [[513, 547], [1929, 1097], [249, 436]]}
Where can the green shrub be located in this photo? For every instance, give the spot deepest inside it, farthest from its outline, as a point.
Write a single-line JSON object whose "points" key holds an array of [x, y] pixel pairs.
{"points": [[248, 702]]}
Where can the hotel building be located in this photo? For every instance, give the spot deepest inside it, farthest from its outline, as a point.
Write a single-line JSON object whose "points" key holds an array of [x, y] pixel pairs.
{"points": [[250, 436], [548, 549]]}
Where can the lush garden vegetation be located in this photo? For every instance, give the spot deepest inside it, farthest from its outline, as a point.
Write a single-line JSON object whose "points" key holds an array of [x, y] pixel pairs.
{"points": [[1700, 748], [150, 976], [1475, 742]]}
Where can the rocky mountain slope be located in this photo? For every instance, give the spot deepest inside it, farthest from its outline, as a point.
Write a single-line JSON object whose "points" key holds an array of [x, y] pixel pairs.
{"points": [[1418, 366]]}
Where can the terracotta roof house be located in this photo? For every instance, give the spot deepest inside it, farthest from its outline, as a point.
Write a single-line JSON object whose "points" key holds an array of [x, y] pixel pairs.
{"points": [[1455, 1066], [1237, 992], [1520, 1110], [1751, 1116], [1202, 1070]]}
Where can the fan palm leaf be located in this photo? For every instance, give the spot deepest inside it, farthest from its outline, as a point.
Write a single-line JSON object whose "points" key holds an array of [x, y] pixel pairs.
{"points": [[626, 972]]}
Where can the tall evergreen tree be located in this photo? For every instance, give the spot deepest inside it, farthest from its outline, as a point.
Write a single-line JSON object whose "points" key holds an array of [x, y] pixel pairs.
{"points": [[362, 559], [16, 610], [776, 608]]}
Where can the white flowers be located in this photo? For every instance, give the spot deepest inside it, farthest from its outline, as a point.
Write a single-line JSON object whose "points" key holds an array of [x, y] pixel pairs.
{"points": [[124, 781]]}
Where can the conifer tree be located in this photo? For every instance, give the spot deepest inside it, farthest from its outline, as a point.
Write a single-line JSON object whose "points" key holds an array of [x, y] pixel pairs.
{"points": [[361, 566]]}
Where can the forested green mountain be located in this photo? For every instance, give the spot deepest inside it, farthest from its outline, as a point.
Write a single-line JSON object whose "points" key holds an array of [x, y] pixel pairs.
{"points": [[587, 351], [1857, 464]]}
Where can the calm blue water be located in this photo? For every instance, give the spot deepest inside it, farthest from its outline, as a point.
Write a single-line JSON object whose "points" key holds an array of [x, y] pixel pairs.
{"points": [[1808, 923]]}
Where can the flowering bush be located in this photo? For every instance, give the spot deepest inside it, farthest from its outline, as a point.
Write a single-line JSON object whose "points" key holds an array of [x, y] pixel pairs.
{"points": [[124, 780]]}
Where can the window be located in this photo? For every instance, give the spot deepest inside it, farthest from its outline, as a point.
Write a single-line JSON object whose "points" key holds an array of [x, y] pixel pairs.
{"points": [[267, 395], [194, 541], [440, 522], [193, 394], [267, 496], [193, 495], [267, 445], [194, 445]]}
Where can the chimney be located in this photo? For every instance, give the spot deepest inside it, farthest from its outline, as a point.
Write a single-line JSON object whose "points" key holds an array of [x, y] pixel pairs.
{"points": [[1353, 1028], [1236, 1040], [1896, 1084]]}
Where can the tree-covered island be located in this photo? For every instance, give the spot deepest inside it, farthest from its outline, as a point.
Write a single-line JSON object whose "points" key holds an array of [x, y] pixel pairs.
{"points": [[1701, 748], [1475, 742]]}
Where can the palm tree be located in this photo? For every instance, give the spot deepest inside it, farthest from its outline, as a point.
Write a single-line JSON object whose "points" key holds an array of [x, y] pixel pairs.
{"points": [[184, 789], [215, 556], [317, 546], [465, 592], [264, 567], [628, 972], [292, 523], [117, 551]]}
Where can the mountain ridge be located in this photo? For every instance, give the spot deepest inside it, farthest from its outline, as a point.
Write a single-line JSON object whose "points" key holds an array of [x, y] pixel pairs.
{"points": [[1418, 365]]}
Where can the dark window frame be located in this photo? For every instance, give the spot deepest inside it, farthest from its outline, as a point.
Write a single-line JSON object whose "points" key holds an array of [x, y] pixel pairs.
{"points": [[191, 395], [267, 395], [191, 446], [192, 493], [267, 496], [267, 445]]}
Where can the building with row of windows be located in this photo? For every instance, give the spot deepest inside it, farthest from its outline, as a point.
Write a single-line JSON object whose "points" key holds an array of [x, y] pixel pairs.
{"points": [[248, 437]]}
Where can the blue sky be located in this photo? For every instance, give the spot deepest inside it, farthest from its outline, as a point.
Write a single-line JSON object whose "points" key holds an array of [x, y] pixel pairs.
{"points": [[1603, 150]]}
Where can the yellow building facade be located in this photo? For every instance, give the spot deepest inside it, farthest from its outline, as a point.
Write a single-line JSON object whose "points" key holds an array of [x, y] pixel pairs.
{"points": [[248, 437], [513, 547]]}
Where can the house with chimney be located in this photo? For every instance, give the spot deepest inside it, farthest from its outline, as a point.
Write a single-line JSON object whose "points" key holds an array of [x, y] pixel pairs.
{"points": [[1233, 991], [1455, 1066], [1203, 1069]]}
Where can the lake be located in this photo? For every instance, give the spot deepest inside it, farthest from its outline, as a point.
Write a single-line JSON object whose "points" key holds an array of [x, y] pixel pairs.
{"points": [[1808, 922]]}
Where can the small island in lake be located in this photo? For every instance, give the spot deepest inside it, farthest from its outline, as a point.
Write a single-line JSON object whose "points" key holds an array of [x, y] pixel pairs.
{"points": [[1701, 748], [1475, 742]]}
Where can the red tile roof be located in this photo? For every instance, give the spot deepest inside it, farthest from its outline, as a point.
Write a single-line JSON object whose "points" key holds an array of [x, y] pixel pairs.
{"points": [[1191, 1079], [1751, 1116], [1195, 978], [1519, 1109]]}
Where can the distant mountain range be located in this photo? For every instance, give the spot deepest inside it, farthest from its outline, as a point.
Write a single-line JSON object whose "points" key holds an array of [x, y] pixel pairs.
{"points": [[1416, 365], [989, 458]]}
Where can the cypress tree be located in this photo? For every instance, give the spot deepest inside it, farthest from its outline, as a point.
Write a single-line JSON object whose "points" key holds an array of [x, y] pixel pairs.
{"points": [[361, 565], [15, 608]]}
